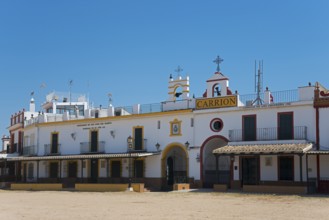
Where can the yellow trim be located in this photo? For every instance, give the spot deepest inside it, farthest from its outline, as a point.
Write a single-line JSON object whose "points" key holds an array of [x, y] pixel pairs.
{"points": [[111, 118], [178, 85], [179, 80], [142, 127], [165, 152], [179, 127]]}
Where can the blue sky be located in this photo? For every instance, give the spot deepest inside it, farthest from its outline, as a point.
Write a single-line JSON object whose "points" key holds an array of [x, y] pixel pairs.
{"points": [[129, 48]]}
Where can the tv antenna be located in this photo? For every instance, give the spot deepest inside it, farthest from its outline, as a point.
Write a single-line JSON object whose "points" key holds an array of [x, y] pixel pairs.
{"points": [[258, 82], [109, 95]]}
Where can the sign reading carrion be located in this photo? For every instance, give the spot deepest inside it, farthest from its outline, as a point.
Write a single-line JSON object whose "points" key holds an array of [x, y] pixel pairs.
{"points": [[218, 102]]}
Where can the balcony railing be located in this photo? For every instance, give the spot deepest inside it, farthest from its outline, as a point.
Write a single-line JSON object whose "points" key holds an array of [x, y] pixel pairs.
{"points": [[30, 151], [269, 134], [92, 148], [51, 149], [140, 148]]}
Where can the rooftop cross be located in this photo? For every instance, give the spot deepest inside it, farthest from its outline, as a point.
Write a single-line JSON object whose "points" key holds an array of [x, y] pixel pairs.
{"points": [[178, 70], [218, 60]]}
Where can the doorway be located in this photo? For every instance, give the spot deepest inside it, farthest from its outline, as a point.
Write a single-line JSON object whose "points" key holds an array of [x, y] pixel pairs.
{"points": [[73, 169], [93, 170], [53, 170], [250, 170], [170, 171], [174, 165], [209, 173]]}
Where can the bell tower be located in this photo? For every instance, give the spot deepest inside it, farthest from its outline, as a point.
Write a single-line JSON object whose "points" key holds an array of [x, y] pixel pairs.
{"points": [[218, 84], [179, 88]]}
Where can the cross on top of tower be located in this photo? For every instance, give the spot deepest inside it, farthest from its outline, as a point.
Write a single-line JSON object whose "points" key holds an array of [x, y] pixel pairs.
{"points": [[178, 70], [218, 60]]}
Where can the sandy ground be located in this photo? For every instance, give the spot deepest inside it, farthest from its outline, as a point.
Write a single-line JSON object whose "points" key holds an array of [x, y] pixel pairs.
{"points": [[159, 205]]}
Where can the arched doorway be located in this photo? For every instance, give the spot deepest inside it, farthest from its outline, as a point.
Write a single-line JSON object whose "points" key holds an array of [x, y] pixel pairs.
{"points": [[174, 165], [208, 162]]}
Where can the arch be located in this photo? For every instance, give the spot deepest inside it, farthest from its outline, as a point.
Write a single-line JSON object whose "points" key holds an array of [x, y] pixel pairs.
{"points": [[203, 146], [179, 90], [214, 92], [166, 154]]}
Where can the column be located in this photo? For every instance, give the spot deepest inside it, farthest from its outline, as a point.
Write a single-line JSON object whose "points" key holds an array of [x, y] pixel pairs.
{"points": [[217, 169], [301, 167], [81, 171], [38, 170]]}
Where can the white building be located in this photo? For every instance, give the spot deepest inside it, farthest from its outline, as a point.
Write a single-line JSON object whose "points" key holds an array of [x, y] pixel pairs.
{"points": [[220, 140]]}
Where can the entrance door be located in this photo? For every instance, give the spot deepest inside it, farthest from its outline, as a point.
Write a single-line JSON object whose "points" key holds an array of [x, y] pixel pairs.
{"points": [[170, 171], [93, 170], [250, 171], [53, 170], [73, 169]]}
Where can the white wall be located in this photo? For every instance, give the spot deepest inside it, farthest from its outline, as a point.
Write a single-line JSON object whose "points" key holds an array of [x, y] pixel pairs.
{"points": [[324, 164], [324, 128], [270, 172]]}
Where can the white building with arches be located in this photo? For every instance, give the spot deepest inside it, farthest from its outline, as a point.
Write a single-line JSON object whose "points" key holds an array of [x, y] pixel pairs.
{"points": [[220, 140]]}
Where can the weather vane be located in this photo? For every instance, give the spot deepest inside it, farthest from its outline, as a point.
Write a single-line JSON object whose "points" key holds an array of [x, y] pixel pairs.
{"points": [[218, 60], [178, 70]]}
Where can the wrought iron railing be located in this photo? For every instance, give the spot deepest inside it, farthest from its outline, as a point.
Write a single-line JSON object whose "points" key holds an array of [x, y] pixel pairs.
{"points": [[30, 150], [134, 148], [91, 147], [51, 149], [268, 134]]}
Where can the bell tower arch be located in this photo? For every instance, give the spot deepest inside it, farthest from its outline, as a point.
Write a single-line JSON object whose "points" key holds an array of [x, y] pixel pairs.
{"points": [[179, 88]]}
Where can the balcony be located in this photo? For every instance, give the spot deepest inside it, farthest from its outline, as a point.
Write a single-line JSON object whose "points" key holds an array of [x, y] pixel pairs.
{"points": [[51, 149], [92, 148], [269, 134], [30, 151]]}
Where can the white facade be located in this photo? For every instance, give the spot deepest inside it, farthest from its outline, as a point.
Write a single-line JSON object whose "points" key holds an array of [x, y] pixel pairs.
{"points": [[179, 139]]}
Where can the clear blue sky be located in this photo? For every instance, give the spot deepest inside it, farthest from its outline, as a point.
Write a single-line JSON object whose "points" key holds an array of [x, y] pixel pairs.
{"points": [[129, 48]]}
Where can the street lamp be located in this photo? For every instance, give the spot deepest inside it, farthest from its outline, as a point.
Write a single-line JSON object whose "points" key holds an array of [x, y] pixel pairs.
{"points": [[187, 144], [157, 146], [130, 147]]}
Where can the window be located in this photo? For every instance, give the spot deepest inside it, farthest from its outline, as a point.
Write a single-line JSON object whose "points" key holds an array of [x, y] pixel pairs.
{"points": [[94, 141], [138, 138], [286, 168], [216, 125], [192, 122], [116, 169], [139, 168], [285, 126], [54, 143], [249, 127], [159, 124]]}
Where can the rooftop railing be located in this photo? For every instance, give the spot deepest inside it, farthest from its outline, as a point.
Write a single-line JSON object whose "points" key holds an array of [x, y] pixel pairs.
{"points": [[278, 97]]}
